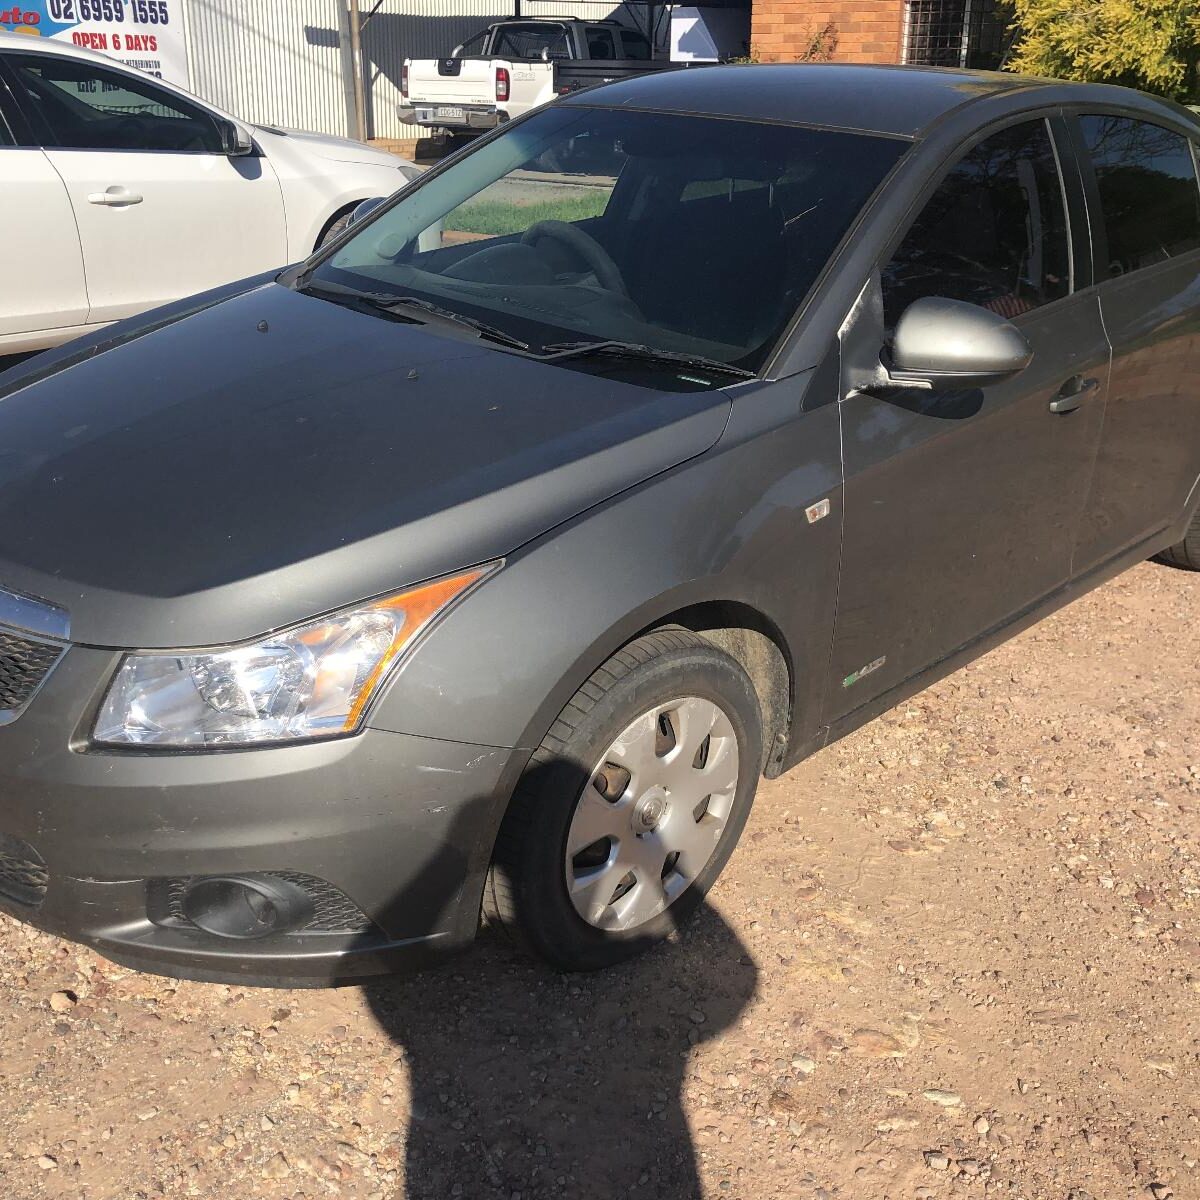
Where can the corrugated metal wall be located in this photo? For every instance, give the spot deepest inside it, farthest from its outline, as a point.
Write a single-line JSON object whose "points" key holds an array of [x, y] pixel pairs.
{"points": [[287, 64]]}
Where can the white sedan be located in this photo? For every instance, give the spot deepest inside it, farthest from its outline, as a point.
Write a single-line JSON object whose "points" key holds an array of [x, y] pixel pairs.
{"points": [[121, 192]]}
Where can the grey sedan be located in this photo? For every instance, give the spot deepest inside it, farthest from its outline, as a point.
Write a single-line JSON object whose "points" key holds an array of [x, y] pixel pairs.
{"points": [[488, 559]]}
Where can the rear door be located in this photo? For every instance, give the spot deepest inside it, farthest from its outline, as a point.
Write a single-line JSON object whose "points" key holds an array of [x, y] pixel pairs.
{"points": [[39, 245], [161, 210], [961, 508], [1145, 203]]}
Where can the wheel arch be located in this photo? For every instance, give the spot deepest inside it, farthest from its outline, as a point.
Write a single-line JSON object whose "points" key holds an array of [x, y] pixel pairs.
{"points": [[331, 221], [753, 641]]}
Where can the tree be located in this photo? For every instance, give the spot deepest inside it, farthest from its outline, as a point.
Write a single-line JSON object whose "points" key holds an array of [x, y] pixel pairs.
{"points": [[1149, 44]]}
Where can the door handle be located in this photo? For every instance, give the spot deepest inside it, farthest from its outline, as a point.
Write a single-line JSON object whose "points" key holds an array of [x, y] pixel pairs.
{"points": [[116, 196], [1073, 393]]}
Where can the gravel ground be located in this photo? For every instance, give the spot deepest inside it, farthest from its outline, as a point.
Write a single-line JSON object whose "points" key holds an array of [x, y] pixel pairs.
{"points": [[957, 954]]}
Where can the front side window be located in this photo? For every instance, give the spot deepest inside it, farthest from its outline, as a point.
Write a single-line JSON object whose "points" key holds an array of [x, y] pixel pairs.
{"points": [[1148, 192], [530, 41], [993, 234], [78, 106], [685, 234]]}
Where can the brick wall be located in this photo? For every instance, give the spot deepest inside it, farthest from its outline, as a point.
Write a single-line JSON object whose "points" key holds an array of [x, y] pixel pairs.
{"points": [[867, 30]]}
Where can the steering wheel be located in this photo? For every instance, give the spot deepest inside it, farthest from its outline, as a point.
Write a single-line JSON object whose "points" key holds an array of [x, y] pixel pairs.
{"points": [[585, 246]]}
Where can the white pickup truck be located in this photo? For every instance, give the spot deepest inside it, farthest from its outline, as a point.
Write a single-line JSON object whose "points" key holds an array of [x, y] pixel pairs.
{"points": [[510, 67]]}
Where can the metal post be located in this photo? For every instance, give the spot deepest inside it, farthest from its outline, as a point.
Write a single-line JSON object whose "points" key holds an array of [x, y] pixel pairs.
{"points": [[360, 97]]}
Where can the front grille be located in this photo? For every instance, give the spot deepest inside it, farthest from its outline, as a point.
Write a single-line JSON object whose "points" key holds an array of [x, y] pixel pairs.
{"points": [[24, 663], [23, 874], [333, 910]]}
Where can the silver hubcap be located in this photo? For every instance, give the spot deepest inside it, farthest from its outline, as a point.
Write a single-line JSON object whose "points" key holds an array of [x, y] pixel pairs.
{"points": [[652, 813]]}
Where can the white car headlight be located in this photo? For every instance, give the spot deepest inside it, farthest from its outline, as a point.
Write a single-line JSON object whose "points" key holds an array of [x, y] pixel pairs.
{"points": [[311, 681]]}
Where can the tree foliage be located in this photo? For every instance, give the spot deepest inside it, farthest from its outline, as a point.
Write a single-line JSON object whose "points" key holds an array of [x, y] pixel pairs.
{"points": [[1149, 44]]}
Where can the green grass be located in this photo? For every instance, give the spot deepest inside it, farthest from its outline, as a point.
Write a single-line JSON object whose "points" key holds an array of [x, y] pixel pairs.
{"points": [[498, 217]]}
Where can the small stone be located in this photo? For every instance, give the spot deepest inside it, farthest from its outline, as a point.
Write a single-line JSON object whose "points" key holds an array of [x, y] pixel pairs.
{"points": [[936, 1161], [1164, 1066], [970, 1166], [147, 1114], [696, 1017], [352, 1155], [804, 1064], [277, 1167], [1053, 1016], [981, 1126], [945, 1099], [63, 1002], [47, 1162], [1160, 1191], [874, 1043], [896, 1123]]}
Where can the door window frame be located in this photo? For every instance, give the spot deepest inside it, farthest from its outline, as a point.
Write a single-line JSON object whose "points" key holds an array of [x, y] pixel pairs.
{"points": [[1090, 183], [863, 331], [1070, 184], [12, 114], [41, 136]]}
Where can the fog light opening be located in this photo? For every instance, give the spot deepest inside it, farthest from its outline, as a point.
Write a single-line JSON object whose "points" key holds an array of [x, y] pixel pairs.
{"points": [[246, 906]]}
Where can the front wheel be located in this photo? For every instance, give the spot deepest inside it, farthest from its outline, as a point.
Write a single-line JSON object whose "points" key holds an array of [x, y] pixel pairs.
{"points": [[631, 806]]}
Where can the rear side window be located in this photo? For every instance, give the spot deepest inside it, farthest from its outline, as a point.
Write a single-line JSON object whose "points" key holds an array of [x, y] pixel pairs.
{"points": [[634, 44], [79, 106], [1148, 191], [600, 42], [528, 41], [993, 234]]}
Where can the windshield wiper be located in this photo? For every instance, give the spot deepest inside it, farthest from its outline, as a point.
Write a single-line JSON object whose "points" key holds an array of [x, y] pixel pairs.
{"points": [[409, 308], [559, 351], [403, 304]]}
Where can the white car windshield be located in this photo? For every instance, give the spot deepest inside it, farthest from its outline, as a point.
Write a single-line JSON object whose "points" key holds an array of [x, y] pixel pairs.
{"points": [[686, 235]]}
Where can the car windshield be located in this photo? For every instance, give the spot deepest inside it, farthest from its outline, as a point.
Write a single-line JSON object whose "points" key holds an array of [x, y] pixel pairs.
{"points": [[685, 235]]}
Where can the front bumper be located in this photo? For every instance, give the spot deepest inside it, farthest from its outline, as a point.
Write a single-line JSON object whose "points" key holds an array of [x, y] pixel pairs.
{"points": [[402, 827]]}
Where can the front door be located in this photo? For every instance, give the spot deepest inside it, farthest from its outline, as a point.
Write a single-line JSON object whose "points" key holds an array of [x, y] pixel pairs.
{"points": [[161, 211], [961, 508]]}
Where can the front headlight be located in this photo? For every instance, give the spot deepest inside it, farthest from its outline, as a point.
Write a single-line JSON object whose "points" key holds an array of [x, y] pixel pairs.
{"points": [[312, 681]]}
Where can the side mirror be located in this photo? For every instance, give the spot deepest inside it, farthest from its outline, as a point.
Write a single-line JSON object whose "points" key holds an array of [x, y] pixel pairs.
{"points": [[946, 344], [364, 209], [236, 141]]}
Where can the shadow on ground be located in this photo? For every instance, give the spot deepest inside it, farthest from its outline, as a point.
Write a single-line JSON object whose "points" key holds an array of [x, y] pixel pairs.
{"points": [[526, 1082]]}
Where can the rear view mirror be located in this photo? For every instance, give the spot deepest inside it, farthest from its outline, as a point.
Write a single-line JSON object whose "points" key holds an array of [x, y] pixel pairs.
{"points": [[942, 343], [236, 141]]}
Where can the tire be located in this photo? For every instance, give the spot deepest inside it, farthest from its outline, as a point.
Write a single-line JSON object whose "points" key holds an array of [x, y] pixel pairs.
{"points": [[1185, 554], [335, 227], [540, 895]]}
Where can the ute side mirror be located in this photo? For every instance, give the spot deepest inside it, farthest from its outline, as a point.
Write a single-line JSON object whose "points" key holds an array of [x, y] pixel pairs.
{"points": [[942, 344], [236, 141], [364, 209]]}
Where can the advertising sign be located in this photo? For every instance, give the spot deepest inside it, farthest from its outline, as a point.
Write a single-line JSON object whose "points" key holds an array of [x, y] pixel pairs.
{"points": [[147, 34]]}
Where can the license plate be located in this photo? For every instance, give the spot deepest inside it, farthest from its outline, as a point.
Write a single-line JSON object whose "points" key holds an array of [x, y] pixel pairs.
{"points": [[444, 113]]}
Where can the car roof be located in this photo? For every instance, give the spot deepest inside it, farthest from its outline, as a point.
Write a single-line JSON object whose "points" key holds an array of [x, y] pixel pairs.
{"points": [[565, 19], [36, 42], [899, 101]]}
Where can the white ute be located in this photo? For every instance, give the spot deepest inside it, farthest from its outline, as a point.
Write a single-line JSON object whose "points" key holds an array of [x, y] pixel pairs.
{"points": [[517, 65], [122, 192]]}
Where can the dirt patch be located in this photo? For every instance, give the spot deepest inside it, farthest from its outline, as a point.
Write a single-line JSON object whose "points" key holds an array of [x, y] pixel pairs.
{"points": [[957, 954]]}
